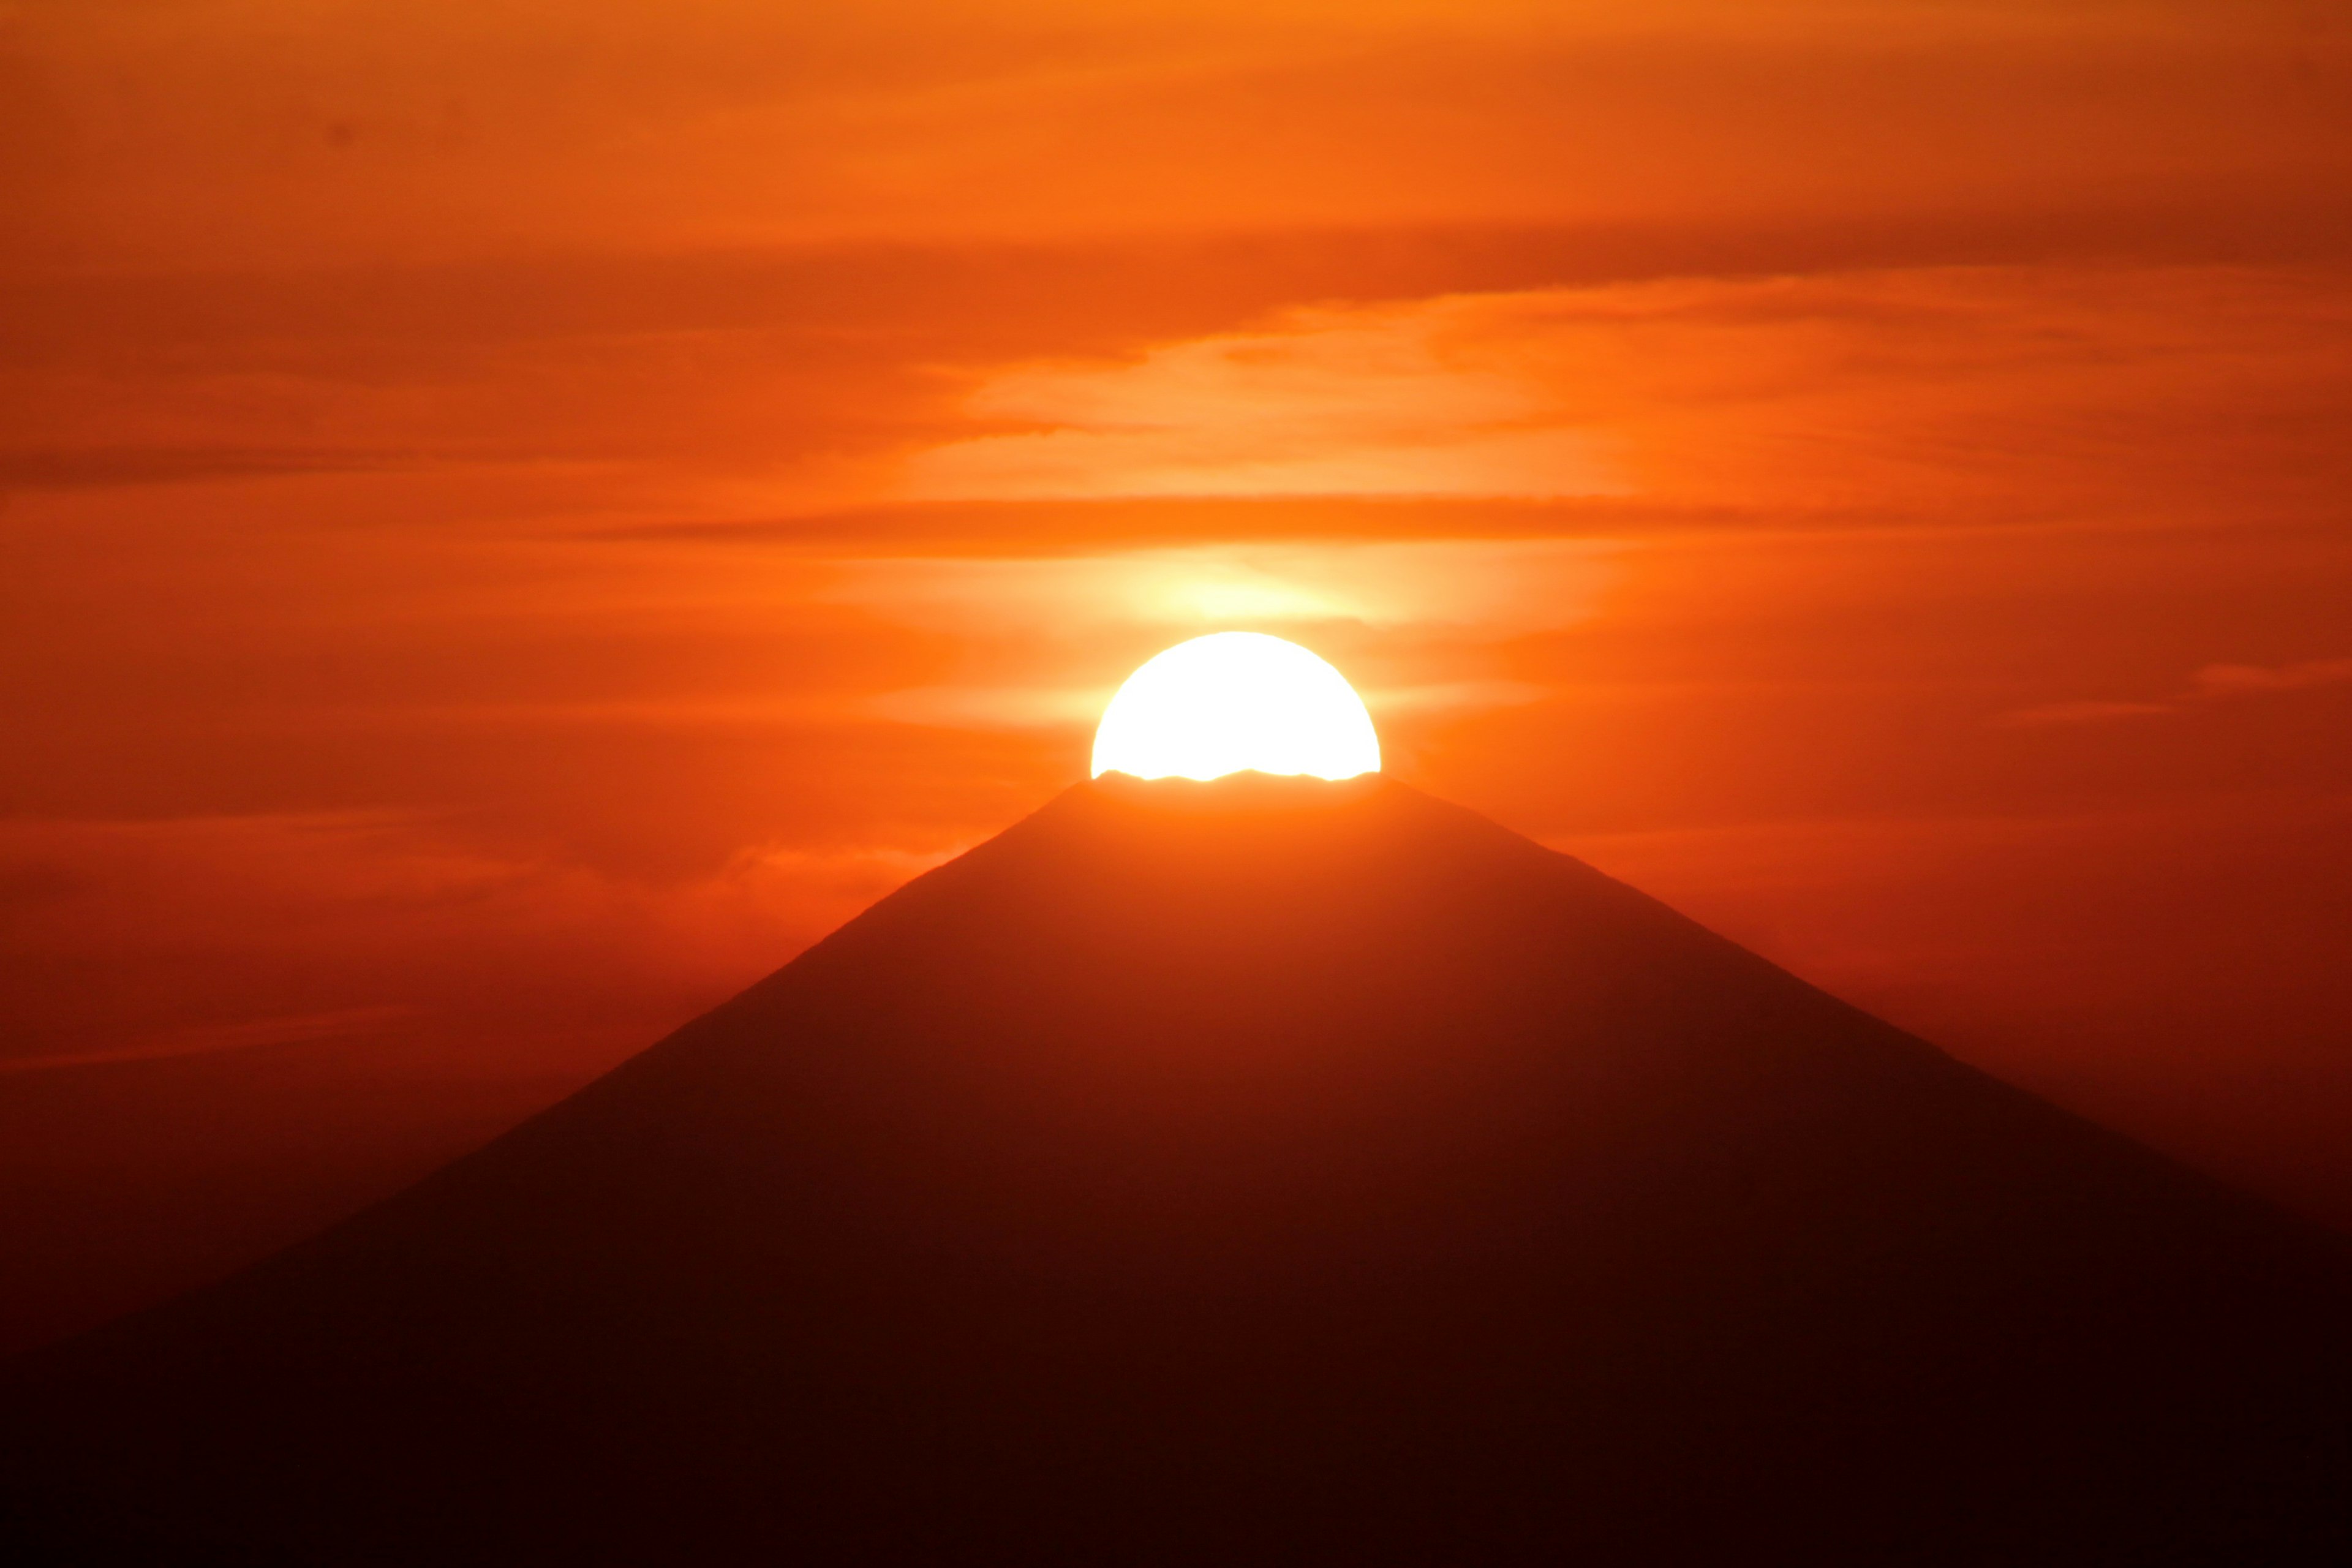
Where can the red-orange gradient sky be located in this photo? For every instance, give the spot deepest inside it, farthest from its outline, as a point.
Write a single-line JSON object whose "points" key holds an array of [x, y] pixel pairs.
{"points": [[520, 516]]}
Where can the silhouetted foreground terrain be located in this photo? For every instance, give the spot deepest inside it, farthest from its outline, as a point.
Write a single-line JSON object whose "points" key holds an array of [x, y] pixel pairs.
{"points": [[1268, 1171]]}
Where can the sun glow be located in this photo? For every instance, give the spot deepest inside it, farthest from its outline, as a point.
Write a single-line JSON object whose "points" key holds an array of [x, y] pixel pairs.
{"points": [[1237, 700]]}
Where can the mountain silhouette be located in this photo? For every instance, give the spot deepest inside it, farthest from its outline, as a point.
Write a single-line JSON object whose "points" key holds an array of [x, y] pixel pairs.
{"points": [[1266, 1170]]}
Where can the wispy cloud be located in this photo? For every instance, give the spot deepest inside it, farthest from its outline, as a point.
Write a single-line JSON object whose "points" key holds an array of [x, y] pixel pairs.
{"points": [[1343, 403], [2213, 683], [2238, 679], [245, 1034], [232, 933], [2085, 712], [1959, 395], [1499, 586]]}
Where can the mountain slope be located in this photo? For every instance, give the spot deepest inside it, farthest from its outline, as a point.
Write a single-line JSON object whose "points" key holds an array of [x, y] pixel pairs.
{"points": [[1267, 1170]]}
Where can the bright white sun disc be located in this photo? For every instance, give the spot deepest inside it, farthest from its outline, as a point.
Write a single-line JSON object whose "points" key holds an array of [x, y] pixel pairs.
{"points": [[1232, 700]]}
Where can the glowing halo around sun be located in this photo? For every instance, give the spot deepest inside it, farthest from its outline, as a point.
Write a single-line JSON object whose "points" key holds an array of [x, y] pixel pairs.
{"points": [[1237, 700]]}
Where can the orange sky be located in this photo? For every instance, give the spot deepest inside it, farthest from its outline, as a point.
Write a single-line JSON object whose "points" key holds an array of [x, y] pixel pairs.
{"points": [[518, 517]]}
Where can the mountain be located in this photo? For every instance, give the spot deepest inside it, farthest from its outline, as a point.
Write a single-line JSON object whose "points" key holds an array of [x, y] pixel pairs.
{"points": [[1268, 1171]]}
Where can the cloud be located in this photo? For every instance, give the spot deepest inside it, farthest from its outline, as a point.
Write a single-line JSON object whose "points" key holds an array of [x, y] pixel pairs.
{"points": [[190, 936], [1954, 395], [2238, 679], [1358, 603], [278, 132], [2214, 682], [1324, 403], [2084, 712], [245, 1034], [1496, 585], [67, 468]]}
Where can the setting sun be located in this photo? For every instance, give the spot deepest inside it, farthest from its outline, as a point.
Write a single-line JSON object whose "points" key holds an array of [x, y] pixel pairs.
{"points": [[1237, 700]]}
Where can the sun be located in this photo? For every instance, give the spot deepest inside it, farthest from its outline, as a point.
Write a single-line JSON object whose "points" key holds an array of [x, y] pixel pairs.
{"points": [[1235, 701]]}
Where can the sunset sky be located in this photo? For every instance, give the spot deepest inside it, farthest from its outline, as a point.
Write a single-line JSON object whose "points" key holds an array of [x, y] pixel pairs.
{"points": [[518, 517]]}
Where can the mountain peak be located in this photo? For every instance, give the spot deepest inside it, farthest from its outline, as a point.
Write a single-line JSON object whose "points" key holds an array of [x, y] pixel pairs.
{"points": [[1272, 1169]]}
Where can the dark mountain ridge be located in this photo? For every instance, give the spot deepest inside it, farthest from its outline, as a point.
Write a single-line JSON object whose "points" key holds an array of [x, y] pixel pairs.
{"points": [[1271, 1171]]}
